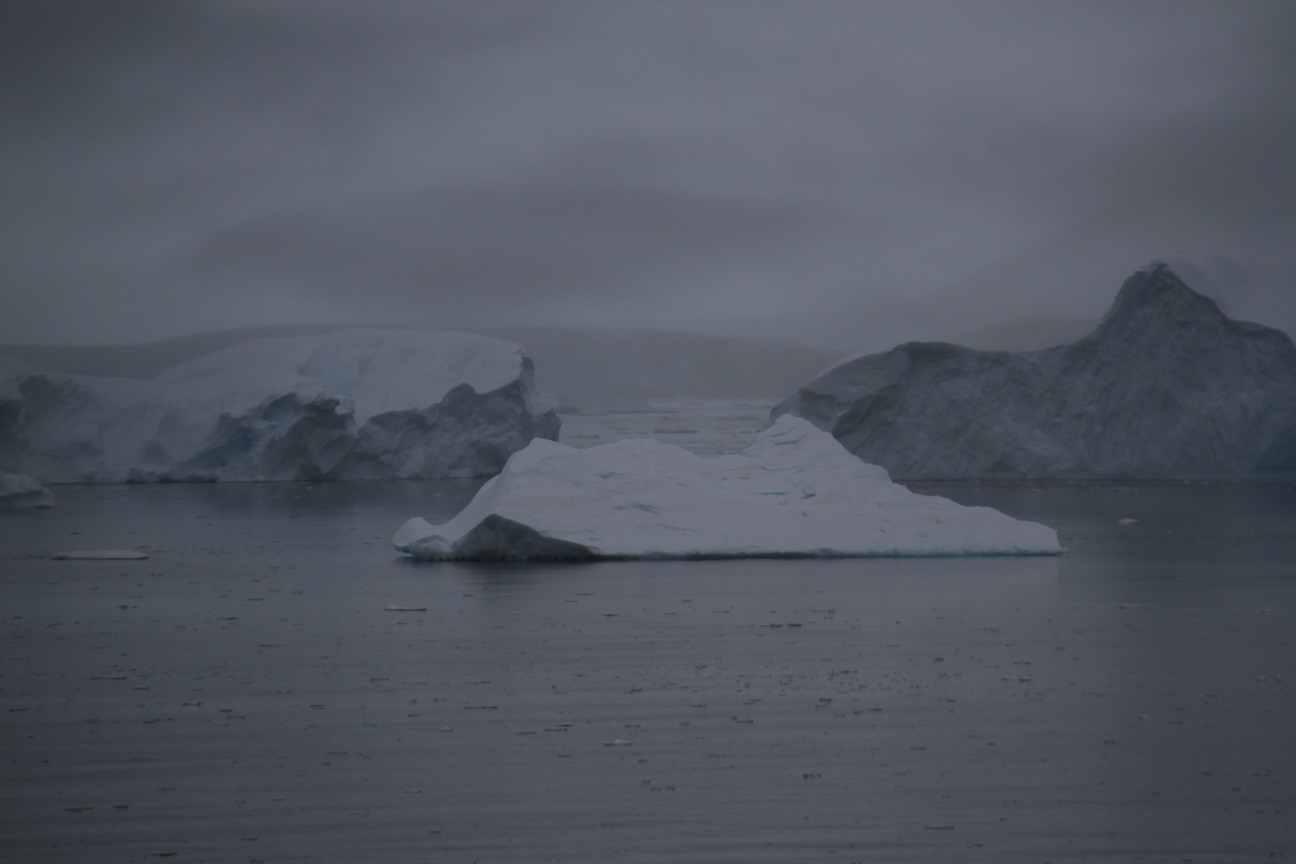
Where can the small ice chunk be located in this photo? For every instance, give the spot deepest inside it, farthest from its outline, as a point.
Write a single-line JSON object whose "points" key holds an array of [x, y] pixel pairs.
{"points": [[101, 555]]}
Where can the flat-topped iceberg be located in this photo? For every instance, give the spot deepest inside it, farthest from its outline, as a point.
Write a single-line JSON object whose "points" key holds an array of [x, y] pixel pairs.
{"points": [[795, 492], [352, 404]]}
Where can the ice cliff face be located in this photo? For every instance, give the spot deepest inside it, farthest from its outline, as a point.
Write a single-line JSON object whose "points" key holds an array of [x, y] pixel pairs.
{"points": [[1165, 386], [354, 404]]}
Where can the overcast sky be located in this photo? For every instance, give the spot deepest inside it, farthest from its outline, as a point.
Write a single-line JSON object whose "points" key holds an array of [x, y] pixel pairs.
{"points": [[805, 170]]}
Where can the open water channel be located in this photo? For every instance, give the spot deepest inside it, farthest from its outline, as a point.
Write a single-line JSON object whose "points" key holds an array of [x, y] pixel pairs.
{"points": [[274, 683]]}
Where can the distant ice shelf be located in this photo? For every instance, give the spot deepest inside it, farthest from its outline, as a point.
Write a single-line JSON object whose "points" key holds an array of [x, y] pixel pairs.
{"points": [[352, 404], [795, 492]]}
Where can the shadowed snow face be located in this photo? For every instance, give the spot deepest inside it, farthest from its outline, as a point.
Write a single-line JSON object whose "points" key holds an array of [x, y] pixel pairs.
{"points": [[769, 168]]}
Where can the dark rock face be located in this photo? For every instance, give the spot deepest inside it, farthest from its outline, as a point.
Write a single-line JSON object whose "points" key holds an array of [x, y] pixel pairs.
{"points": [[1165, 386]]}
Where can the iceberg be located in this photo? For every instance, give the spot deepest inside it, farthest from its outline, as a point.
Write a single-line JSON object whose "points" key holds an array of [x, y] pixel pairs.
{"points": [[794, 492], [101, 555], [20, 492], [1166, 386], [352, 404]]}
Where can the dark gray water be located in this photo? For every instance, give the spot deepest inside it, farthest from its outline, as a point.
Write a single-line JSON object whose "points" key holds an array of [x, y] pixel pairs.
{"points": [[246, 695]]}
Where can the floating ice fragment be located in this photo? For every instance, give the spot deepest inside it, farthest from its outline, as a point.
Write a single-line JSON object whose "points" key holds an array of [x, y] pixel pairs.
{"points": [[101, 555]]}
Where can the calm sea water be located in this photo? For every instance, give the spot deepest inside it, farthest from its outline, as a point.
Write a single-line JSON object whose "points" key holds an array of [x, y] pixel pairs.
{"points": [[249, 693]]}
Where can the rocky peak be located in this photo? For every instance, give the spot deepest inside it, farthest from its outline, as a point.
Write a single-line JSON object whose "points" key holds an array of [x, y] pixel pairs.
{"points": [[1153, 298], [1166, 386]]}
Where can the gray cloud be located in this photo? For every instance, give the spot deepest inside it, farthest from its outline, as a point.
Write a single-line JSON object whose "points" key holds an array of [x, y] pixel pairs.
{"points": [[757, 166], [473, 248]]}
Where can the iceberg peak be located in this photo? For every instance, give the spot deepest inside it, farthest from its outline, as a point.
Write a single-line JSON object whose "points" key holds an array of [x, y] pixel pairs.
{"points": [[1155, 298]]}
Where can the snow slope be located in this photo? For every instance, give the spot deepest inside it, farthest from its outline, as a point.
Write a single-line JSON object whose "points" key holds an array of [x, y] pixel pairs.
{"points": [[360, 404], [1165, 386], [794, 492]]}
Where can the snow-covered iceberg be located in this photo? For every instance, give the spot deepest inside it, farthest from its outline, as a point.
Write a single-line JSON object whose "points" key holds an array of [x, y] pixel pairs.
{"points": [[1165, 386], [353, 404], [20, 492], [794, 492]]}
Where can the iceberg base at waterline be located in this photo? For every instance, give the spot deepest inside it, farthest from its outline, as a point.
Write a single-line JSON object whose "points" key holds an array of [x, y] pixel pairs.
{"points": [[20, 492], [795, 492]]}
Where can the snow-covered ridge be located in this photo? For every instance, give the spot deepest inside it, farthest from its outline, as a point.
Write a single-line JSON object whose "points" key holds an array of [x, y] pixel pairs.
{"points": [[1165, 386], [360, 403], [794, 492]]}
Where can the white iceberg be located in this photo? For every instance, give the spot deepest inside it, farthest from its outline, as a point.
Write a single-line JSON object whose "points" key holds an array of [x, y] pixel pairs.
{"points": [[795, 492], [20, 492], [352, 404]]}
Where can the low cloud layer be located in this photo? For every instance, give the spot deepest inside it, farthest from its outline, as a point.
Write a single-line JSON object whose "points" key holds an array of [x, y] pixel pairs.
{"points": [[831, 172]]}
